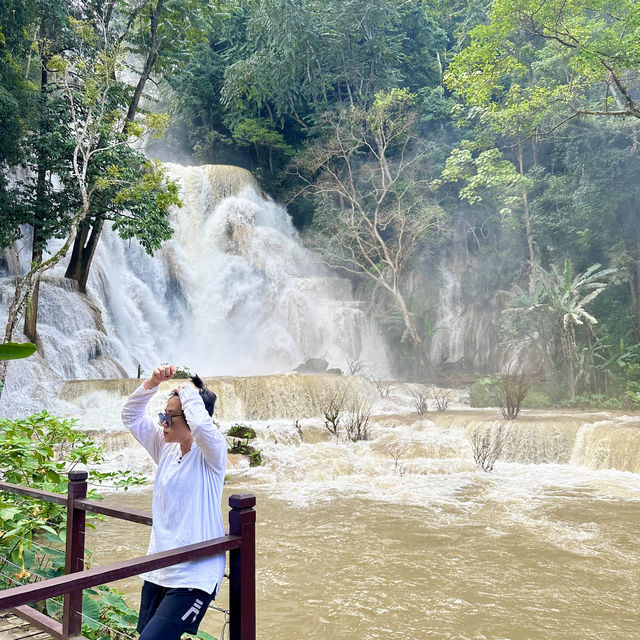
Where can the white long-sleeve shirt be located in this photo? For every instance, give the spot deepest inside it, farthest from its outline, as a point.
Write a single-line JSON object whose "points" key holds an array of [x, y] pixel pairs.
{"points": [[187, 494]]}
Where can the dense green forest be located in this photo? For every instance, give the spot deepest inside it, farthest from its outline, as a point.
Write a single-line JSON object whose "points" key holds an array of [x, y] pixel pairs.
{"points": [[393, 130]]}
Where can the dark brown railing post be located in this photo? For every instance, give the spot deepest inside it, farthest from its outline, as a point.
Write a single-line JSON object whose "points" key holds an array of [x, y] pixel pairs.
{"points": [[242, 568], [74, 558]]}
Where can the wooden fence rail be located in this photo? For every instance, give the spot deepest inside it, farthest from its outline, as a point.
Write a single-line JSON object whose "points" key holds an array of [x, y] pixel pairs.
{"points": [[240, 542]]}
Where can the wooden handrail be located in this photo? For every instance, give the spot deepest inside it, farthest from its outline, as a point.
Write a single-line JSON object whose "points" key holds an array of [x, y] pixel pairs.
{"points": [[131, 515], [48, 496], [240, 543], [52, 587]]}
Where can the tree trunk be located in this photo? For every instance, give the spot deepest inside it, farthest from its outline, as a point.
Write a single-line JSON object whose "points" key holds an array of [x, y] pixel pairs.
{"points": [[634, 283], [31, 312], [527, 226], [86, 240], [568, 342], [84, 247], [411, 328], [152, 56]]}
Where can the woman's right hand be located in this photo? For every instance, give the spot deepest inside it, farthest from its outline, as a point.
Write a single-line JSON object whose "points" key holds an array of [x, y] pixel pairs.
{"points": [[160, 374]]}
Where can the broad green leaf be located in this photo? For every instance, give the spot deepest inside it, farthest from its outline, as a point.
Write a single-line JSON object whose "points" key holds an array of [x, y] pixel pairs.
{"points": [[15, 350]]}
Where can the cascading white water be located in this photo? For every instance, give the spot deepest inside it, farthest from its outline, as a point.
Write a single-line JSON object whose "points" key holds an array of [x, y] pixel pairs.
{"points": [[447, 345], [259, 301], [233, 292], [463, 334]]}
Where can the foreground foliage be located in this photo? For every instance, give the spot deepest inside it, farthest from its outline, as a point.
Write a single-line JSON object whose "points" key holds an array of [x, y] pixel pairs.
{"points": [[39, 451]]}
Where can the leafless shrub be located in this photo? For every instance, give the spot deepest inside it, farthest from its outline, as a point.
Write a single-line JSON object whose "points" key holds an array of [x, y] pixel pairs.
{"points": [[333, 409], [348, 408], [441, 397], [420, 400], [487, 446], [511, 388], [355, 367], [298, 427], [396, 449], [383, 387], [357, 418]]}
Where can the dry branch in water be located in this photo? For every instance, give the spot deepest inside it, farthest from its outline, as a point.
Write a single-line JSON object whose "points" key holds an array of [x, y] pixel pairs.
{"points": [[333, 405], [383, 387], [356, 367], [511, 388], [487, 446], [357, 422], [420, 400], [349, 409], [440, 397], [395, 448]]}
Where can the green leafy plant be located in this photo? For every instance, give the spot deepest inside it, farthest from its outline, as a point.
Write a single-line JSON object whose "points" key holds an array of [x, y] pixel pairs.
{"points": [[593, 401], [181, 373], [241, 434], [631, 399], [241, 431], [16, 350], [481, 394], [39, 451], [254, 455], [536, 400], [559, 305]]}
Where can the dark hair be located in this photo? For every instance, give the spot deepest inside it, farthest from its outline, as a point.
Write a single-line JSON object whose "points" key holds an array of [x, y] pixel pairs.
{"points": [[208, 397]]}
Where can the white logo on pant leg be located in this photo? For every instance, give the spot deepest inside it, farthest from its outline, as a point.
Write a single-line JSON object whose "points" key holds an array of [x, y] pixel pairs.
{"points": [[195, 610]]}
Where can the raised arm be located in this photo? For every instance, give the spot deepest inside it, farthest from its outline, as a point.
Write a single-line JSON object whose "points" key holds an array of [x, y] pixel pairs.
{"points": [[135, 418], [207, 436]]}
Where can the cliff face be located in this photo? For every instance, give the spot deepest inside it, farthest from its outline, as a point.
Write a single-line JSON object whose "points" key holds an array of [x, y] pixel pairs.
{"points": [[457, 312]]}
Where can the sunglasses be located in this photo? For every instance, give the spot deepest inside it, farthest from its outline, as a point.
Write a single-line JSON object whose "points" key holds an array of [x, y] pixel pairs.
{"points": [[167, 417]]}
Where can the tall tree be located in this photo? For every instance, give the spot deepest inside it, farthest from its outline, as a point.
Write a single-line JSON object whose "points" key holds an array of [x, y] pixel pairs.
{"points": [[17, 102], [102, 169], [160, 32], [586, 55], [48, 145], [373, 200]]}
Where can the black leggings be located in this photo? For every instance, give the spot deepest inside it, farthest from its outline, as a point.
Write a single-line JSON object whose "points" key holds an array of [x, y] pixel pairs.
{"points": [[165, 614]]}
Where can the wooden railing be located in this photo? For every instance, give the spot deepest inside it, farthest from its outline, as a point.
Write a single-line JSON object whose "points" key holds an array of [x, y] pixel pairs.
{"points": [[240, 543]]}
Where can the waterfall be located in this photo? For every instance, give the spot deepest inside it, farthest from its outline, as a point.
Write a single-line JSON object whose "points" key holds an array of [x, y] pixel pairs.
{"points": [[234, 292], [464, 334], [593, 441], [609, 444], [278, 396]]}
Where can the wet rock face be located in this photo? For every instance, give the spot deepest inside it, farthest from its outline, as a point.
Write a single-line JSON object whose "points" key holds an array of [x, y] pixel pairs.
{"points": [[313, 365]]}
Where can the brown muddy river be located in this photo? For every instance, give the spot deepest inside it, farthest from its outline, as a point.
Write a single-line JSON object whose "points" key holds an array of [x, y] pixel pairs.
{"points": [[356, 545], [529, 553]]}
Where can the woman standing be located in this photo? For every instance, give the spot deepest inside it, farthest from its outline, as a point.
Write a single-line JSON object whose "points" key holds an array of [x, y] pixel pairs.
{"points": [[191, 455]]}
